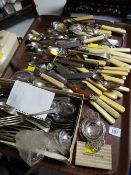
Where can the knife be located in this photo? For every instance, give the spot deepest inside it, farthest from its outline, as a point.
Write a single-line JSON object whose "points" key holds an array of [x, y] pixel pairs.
{"points": [[71, 63], [96, 102]]}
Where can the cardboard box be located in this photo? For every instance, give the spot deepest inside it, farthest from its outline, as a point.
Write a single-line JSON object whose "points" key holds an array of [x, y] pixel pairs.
{"points": [[79, 102]]}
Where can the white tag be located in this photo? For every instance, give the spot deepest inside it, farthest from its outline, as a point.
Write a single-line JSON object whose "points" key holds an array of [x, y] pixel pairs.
{"points": [[115, 131], [29, 99]]}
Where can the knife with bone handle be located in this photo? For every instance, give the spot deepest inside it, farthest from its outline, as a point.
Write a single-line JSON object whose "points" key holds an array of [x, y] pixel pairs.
{"points": [[97, 55], [119, 63], [124, 57], [112, 72], [113, 79], [88, 62], [113, 53], [119, 94], [123, 69], [63, 72], [87, 94], [127, 50], [79, 19], [93, 39], [125, 60], [98, 85], [108, 117], [111, 94], [107, 49], [71, 76], [112, 103], [107, 84], [49, 79], [122, 89], [113, 29], [57, 76], [94, 89], [101, 62]]}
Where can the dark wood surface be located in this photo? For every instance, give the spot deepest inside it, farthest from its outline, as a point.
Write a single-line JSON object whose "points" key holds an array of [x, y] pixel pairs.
{"points": [[26, 7], [120, 146]]}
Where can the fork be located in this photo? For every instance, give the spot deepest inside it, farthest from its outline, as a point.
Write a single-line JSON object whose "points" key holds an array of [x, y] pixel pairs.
{"points": [[11, 120]]}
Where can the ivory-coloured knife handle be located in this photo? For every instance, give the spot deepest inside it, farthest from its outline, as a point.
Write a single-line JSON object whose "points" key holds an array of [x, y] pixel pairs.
{"points": [[114, 29], [119, 94], [119, 63], [91, 40], [107, 116], [83, 70], [112, 103], [127, 50], [110, 94], [101, 62], [98, 85], [109, 109], [123, 69], [113, 79], [81, 18], [104, 31], [125, 60], [35, 32], [93, 88], [52, 81], [97, 50], [123, 89], [120, 54], [114, 72]]}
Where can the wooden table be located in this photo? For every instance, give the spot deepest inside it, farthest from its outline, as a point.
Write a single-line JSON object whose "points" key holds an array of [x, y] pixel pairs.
{"points": [[120, 146]]}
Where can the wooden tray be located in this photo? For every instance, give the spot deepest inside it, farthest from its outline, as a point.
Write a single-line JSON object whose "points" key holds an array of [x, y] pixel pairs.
{"points": [[120, 146]]}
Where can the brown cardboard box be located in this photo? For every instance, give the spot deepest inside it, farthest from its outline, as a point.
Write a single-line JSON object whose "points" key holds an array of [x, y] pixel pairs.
{"points": [[79, 102]]}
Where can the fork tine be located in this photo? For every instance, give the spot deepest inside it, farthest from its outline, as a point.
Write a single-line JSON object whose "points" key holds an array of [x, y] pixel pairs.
{"points": [[11, 120], [11, 123], [10, 117]]}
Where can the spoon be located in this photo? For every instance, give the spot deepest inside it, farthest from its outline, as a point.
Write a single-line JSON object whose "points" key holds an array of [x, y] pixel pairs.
{"points": [[59, 26], [57, 51], [39, 83]]}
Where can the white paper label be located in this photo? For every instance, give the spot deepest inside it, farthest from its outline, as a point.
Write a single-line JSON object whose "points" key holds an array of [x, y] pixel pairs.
{"points": [[115, 131], [29, 99]]}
